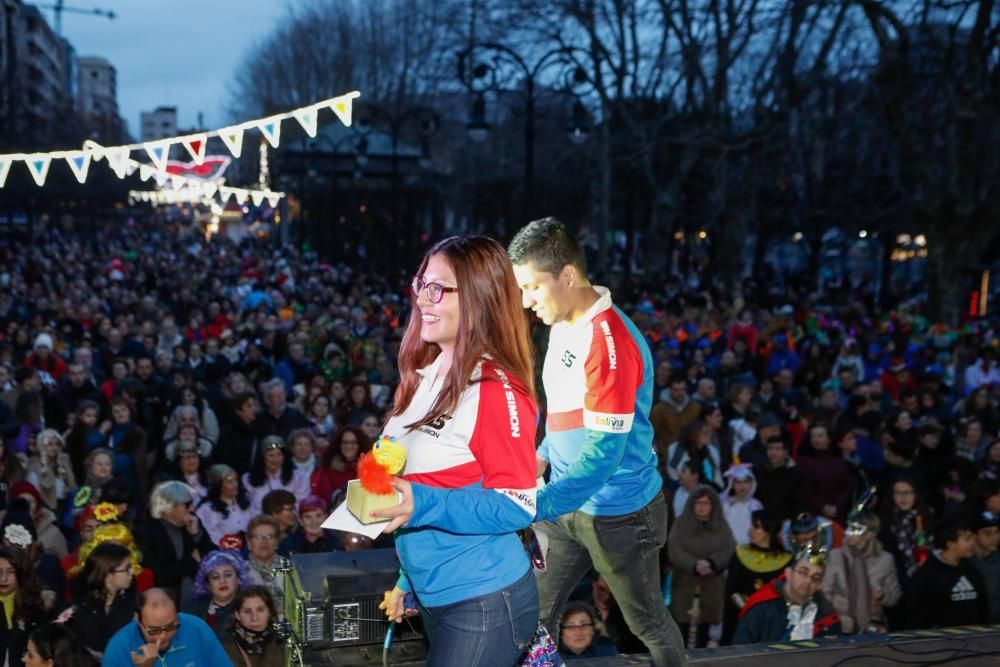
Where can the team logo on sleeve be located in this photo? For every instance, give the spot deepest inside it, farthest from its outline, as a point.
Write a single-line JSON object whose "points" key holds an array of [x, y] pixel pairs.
{"points": [[610, 342], [508, 392]]}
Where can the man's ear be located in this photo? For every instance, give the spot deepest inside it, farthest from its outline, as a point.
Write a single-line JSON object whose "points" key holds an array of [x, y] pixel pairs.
{"points": [[568, 276]]}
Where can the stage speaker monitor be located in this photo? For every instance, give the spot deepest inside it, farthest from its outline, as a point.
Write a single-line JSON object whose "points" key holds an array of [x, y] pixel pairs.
{"points": [[331, 599]]}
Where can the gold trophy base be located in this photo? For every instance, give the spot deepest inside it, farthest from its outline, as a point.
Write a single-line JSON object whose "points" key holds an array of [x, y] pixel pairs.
{"points": [[360, 502]]}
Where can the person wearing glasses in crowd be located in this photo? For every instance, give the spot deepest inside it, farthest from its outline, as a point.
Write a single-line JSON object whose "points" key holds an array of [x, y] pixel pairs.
{"points": [[159, 635], [173, 541], [465, 412], [604, 504], [106, 596], [262, 539], [579, 634], [791, 607], [221, 576]]}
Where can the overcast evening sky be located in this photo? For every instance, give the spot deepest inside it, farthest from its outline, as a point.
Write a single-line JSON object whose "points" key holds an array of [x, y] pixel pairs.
{"points": [[171, 52]]}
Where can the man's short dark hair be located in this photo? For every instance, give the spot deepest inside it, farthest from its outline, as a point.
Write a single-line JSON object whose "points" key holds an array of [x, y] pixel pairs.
{"points": [[948, 529], [776, 439], [549, 245], [241, 399], [277, 500], [24, 373]]}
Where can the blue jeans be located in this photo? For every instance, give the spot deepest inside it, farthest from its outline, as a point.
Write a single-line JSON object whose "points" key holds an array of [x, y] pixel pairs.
{"points": [[492, 630], [626, 551]]}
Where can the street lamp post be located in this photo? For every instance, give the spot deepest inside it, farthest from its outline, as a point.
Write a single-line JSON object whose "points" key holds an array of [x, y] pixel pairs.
{"points": [[488, 61], [426, 122]]}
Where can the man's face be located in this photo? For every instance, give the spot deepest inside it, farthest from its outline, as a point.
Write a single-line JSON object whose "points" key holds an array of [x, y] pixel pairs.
{"points": [[543, 293], [248, 410], [706, 389], [144, 369], [34, 383], [775, 453], [803, 580], [965, 545], [988, 538], [158, 620], [77, 376], [678, 392], [785, 379], [275, 399]]}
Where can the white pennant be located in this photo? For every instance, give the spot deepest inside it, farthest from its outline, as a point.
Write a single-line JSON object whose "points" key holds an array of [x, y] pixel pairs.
{"points": [[257, 197], [117, 159], [79, 163], [130, 169], [232, 137], [38, 165], [209, 189], [271, 129], [224, 194], [146, 172], [241, 195], [195, 145], [4, 170], [177, 182], [342, 106], [160, 177], [273, 198], [307, 119], [159, 152]]}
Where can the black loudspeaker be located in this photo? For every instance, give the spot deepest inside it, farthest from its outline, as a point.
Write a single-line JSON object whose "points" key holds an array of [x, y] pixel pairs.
{"points": [[331, 601]]}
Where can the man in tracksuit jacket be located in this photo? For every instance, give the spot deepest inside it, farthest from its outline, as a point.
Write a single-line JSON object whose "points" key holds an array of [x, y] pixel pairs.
{"points": [[604, 505]]}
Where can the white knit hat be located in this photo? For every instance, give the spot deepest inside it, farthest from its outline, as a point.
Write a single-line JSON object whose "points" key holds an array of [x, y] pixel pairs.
{"points": [[43, 340]]}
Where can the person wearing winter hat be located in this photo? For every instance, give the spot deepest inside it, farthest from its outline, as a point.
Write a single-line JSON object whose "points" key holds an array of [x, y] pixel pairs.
{"points": [[43, 357], [49, 535], [225, 511]]}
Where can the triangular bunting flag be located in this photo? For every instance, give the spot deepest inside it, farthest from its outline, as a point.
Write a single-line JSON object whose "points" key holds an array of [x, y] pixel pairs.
{"points": [[145, 172], [160, 177], [195, 145], [257, 197], [232, 137], [4, 170], [271, 129], [117, 159], [177, 182], [38, 165], [241, 195], [159, 153], [342, 107], [79, 162], [307, 119], [224, 194], [273, 198], [132, 166], [209, 189]]}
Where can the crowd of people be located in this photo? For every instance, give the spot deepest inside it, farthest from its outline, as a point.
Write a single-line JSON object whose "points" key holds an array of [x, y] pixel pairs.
{"points": [[177, 414]]}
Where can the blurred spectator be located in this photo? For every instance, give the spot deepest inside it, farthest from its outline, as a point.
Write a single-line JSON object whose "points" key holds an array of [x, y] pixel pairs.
{"points": [[221, 576], [225, 510], [252, 640], [262, 536], [106, 598], [860, 578], [310, 537], [752, 566], [700, 547], [579, 633], [948, 589]]}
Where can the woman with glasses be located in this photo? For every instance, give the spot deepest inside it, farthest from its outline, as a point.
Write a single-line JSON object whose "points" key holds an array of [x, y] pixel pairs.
{"points": [[221, 576], [225, 510], [903, 532], [579, 634], [252, 640], [339, 464], [105, 598], [465, 412]]}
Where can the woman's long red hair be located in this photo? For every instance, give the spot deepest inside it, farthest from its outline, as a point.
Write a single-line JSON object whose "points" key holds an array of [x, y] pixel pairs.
{"points": [[492, 322]]}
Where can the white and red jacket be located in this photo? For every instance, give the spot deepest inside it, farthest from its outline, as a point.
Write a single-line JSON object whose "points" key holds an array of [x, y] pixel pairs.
{"points": [[473, 475]]}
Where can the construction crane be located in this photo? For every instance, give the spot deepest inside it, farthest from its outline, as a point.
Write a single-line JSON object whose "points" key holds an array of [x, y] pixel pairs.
{"points": [[61, 7]]}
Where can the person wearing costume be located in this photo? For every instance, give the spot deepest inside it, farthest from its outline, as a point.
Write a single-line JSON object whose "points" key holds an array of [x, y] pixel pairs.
{"points": [[752, 567], [791, 607]]}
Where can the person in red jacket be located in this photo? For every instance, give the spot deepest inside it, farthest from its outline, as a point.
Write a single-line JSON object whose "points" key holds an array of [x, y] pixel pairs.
{"points": [[43, 358], [791, 607]]}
